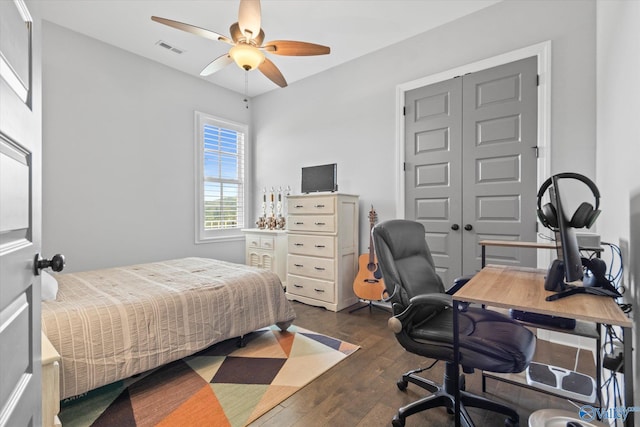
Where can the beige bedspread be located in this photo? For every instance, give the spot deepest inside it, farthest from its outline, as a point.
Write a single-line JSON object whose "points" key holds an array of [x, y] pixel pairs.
{"points": [[111, 324]]}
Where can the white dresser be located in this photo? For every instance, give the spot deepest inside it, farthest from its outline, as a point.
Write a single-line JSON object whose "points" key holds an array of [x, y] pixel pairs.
{"points": [[322, 242], [267, 249]]}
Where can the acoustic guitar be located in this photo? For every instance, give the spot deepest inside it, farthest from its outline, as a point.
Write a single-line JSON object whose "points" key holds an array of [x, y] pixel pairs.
{"points": [[368, 284]]}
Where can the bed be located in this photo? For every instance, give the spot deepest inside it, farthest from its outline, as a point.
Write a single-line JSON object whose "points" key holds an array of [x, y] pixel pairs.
{"points": [[113, 323]]}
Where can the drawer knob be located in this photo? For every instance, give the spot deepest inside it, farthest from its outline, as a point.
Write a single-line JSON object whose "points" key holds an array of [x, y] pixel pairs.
{"points": [[319, 268], [298, 223], [298, 265], [318, 206], [319, 246], [298, 244], [295, 285], [299, 206], [319, 223], [318, 290]]}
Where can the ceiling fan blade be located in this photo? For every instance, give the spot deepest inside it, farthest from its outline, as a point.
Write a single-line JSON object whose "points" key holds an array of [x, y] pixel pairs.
{"points": [[249, 18], [294, 48], [217, 64], [192, 29], [270, 70]]}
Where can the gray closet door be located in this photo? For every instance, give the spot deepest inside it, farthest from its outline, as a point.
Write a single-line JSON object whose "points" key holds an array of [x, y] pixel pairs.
{"points": [[470, 165], [433, 161], [499, 185]]}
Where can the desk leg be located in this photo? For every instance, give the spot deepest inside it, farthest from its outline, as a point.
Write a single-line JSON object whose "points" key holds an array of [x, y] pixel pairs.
{"points": [[484, 255], [456, 362], [627, 338]]}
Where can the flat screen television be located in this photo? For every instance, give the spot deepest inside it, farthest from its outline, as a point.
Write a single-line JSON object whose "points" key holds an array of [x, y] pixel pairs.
{"points": [[319, 178]]}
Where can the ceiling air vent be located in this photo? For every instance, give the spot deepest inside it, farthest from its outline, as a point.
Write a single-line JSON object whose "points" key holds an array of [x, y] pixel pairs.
{"points": [[169, 47]]}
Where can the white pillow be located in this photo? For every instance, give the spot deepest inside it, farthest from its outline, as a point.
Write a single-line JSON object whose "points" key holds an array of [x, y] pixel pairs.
{"points": [[49, 286]]}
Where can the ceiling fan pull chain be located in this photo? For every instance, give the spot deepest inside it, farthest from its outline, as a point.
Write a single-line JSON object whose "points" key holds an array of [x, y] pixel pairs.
{"points": [[246, 89]]}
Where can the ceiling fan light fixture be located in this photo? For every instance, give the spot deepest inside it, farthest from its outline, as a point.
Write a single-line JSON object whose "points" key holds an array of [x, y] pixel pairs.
{"points": [[246, 56]]}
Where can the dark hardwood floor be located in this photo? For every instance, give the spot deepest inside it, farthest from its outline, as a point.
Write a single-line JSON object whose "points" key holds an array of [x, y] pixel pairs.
{"points": [[361, 390]]}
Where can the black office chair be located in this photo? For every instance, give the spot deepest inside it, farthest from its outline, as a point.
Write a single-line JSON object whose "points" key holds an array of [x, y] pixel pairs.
{"points": [[423, 324]]}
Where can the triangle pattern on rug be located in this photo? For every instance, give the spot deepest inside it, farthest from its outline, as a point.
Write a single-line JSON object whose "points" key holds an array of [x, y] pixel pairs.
{"points": [[222, 385], [202, 409]]}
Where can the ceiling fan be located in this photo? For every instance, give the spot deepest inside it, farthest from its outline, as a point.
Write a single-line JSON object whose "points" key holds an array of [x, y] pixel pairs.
{"points": [[246, 39]]}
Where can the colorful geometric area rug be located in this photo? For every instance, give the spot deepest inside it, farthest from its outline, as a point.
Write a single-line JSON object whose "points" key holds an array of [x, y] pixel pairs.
{"points": [[223, 385]]}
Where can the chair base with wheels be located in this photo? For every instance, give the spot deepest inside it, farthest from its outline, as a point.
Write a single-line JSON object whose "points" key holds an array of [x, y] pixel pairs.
{"points": [[444, 396]]}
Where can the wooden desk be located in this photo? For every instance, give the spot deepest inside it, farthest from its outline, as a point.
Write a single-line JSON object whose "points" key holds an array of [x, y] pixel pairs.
{"points": [[522, 288]]}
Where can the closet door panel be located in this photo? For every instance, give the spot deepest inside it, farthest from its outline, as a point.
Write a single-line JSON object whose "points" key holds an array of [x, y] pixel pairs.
{"points": [[499, 164], [432, 169]]}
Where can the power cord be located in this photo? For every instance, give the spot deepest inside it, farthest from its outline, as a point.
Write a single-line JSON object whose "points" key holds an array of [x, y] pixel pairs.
{"points": [[613, 361]]}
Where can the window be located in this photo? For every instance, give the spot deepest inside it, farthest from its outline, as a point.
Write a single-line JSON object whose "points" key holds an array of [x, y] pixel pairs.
{"points": [[220, 206]]}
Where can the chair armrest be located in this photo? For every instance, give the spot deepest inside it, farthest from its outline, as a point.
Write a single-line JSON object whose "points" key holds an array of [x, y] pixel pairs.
{"points": [[430, 299], [397, 322], [418, 301], [458, 283]]}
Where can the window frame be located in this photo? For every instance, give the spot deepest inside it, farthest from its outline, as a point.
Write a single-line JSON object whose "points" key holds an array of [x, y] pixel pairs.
{"points": [[207, 236]]}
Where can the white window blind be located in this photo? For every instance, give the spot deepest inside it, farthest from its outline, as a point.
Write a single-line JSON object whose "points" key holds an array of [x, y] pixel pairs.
{"points": [[221, 176]]}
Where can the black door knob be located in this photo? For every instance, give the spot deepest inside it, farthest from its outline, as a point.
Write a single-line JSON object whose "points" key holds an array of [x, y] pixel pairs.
{"points": [[454, 227], [56, 263], [468, 227]]}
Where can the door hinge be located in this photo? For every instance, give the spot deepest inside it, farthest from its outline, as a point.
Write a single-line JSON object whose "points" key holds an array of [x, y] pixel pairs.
{"points": [[537, 79], [404, 111], [404, 166], [537, 151]]}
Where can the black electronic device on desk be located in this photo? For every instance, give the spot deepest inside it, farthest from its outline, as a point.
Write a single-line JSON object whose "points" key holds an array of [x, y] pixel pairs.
{"points": [[570, 265]]}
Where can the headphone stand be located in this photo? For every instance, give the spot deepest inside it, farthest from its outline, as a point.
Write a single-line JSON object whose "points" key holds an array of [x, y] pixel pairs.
{"points": [[569, 290], [572, 290]]}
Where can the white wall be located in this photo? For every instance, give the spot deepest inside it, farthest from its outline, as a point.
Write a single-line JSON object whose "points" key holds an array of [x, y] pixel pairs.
{"points": [[618, 131], [346, 115], [118, 128], [118, 172]]}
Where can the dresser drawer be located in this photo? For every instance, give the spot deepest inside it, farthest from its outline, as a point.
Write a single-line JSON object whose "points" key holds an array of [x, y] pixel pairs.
{"points": [[320, 268], [311, 245], [311, 205], [312, 288], [267, 242], [320, 223], [253, 241], [262, 242]]}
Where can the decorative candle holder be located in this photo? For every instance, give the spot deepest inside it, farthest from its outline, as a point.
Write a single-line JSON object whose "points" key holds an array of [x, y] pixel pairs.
{"points": [[273, 216], [262, 220]]}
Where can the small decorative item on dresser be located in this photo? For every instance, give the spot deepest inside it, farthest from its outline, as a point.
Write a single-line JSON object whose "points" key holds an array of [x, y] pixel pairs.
{"points": [[262, 220], [273, 218], [280, 221]]}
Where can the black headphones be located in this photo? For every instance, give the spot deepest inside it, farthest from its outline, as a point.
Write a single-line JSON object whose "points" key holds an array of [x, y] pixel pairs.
{"points": [[584, 216]]}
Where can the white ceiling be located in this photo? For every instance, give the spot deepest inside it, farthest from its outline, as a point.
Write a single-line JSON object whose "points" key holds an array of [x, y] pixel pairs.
{"points": [[352, 28]]}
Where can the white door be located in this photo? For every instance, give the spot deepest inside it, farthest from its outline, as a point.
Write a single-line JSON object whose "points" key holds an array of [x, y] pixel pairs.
{"points": [[20, 218], [470, 165]]}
